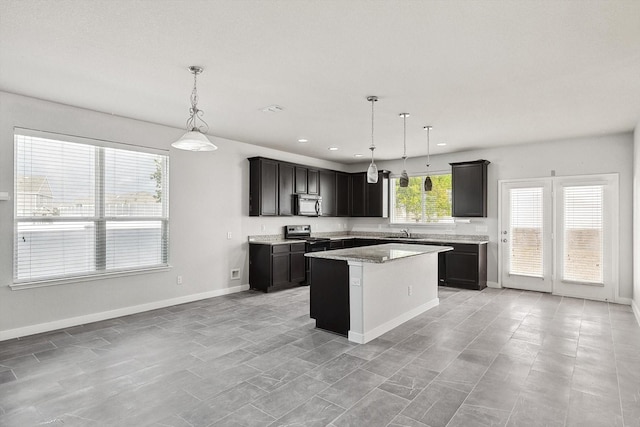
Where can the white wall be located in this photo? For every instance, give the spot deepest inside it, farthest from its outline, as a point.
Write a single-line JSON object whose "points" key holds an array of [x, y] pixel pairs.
{"points": [[636, 222], [209, 197], [579, 156]]}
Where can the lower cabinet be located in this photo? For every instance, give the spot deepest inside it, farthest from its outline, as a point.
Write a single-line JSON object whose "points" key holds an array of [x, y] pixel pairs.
{"points": [[273, 267], [465, 266]]}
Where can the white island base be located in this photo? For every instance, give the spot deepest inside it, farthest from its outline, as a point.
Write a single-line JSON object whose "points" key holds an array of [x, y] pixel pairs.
{"points": [[387, 285], [383, 296]]}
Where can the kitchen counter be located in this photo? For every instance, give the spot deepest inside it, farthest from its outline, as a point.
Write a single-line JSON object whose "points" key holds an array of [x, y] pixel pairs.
{"points": [[367, 291], [379, 253], [277, 239]]}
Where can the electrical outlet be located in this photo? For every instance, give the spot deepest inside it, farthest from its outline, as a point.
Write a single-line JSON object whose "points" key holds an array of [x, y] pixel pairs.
{"points": [[355, 281], [235, 274], [228, 235], [179, 280], [409, 290]]}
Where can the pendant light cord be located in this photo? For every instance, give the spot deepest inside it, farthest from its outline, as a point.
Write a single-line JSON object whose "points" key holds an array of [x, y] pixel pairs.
{"points": [[404, 156], [373, 147], [428, 128]]}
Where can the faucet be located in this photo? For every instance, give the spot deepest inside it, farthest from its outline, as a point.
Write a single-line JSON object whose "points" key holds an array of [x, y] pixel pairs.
{"points": [[406, 232]]}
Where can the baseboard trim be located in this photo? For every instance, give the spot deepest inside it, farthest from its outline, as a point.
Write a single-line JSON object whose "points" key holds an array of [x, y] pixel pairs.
{"points": [[494, 285], [111, 314], [387, 326], [622, 300], [636, 310]]}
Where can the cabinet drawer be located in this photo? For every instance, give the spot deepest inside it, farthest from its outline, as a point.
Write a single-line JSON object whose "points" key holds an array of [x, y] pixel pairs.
{"points": [[297, 247], [463, 247], [278, 249]]}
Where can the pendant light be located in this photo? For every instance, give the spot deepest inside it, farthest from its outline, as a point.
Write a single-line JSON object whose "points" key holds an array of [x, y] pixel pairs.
{"points": [[372, 172], [404, 177], [428, 184], [195, 139]]}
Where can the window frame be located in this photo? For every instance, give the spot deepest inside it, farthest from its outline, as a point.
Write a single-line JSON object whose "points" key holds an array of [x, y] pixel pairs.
{"points": [[447, 223], [99, 218]]}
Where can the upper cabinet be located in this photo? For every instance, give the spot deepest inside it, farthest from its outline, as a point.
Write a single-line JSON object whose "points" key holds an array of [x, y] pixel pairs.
{"points": [[370, 200], [343, 194], [469, 188], [286, 188], [313, 181], [263, 187], [301, 180], [328, 192], [274, 184]]}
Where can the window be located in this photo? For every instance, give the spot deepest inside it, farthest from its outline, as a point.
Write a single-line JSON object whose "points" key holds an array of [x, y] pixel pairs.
{"points": [[583, 234], [413, 205], [85, 208], [526, 229]]}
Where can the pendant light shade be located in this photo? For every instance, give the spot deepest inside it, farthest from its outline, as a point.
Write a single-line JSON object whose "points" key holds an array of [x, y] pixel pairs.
{"points": [[404, 176], [195, 139], [428, 184], [372, 171]]}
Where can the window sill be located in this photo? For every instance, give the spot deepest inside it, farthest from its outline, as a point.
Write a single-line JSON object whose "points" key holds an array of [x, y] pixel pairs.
{"points": [[87, 278]]}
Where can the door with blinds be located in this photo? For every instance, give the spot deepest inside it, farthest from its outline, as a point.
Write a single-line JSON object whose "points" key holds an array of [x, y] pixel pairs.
{"points": [[526, 235], [587, 237], [560, 235]]}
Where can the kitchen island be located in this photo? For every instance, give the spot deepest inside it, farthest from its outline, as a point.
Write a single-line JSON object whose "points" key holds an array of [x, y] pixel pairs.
{"points": [[366, 291]]}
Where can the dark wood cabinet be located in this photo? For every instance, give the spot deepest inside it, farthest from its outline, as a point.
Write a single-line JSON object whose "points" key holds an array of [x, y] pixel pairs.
{"points": [[469, 188], [377, 197], [466, 266], [273, 186], [329, 295], [273, 267], [358, 194], [301, 180], [285, 189], [463, 267], [328, 192], [370, 200], [343, 194], [313, 181], [263, 187]]}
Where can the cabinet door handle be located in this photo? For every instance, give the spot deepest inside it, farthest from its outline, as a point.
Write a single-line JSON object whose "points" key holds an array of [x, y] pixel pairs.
{"points": [[504, 240]]}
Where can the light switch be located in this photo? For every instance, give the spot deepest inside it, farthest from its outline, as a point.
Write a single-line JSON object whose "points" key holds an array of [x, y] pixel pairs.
{"points": [[4, 195]]}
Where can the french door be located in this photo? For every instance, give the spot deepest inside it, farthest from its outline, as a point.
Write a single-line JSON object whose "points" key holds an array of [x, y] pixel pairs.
{"points": [[560, 235], [526, 235]]}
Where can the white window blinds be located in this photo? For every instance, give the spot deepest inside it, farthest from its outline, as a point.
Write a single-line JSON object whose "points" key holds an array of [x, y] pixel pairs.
{"points": [[583, 234], [83, 209], [526, 230]]}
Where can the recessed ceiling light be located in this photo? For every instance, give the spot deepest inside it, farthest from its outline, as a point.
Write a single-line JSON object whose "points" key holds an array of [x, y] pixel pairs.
{"points": [[333, 148], [358, 155], [272, 109], [441, 144], [302, 140]]}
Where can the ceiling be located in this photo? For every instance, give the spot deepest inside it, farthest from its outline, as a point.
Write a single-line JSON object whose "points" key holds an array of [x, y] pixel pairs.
{"points": [[482, 73]]}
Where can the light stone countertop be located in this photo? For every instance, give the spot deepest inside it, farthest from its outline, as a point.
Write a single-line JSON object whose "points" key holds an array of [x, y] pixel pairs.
{"points": [[379, 253], [435, 238]]}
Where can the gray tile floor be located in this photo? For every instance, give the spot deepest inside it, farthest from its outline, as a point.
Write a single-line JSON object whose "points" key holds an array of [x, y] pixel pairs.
{"points": [[490, 358]]}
